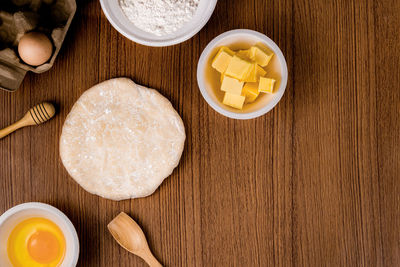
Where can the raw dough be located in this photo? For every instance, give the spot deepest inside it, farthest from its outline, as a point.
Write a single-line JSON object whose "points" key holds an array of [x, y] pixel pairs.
{"points": [[121, 140]]}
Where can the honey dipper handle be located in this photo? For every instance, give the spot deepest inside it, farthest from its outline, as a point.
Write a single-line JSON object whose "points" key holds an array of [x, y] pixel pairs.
{"points": [[13, 127]]}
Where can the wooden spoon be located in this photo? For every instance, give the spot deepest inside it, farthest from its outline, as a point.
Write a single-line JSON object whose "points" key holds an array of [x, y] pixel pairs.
{"points": [[131, 237], [36, 115]]}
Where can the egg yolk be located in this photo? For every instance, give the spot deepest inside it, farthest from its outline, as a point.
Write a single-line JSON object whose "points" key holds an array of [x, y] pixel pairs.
{"points": [[43, 247], [36, 242]]}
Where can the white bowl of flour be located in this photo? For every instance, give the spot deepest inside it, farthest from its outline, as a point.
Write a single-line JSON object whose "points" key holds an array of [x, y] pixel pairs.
{"points": [[158, 22]]}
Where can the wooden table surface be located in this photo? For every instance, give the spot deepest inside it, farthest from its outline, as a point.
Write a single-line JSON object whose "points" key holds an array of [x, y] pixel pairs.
{"points": [[315, 182]]}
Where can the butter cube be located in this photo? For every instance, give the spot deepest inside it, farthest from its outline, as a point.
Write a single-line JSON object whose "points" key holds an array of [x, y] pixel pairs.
{"points": [[255, 74], [232, 85], [239, 68], [244, 54], [250, 91], [222, 59], [261, 54], [260, 71], [252, 76], [266, 85], [235, 101]]}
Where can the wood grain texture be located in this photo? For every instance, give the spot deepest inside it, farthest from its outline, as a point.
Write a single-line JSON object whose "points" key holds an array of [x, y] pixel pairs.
{"points": [[315, 182]]}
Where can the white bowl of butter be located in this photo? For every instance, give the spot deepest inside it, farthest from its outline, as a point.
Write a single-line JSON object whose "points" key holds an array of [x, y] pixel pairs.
{"points": [[124, 22], [209, 79], [27, 232]]}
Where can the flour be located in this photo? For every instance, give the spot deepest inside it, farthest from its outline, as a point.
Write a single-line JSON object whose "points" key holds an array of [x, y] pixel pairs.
{"points": [[159, 17]]}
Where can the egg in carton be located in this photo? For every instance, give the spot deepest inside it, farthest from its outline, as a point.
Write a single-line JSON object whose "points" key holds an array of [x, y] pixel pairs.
{"points": [[17, 17]]}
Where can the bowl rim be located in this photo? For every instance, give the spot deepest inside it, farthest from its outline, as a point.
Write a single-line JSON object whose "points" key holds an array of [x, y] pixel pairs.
{"points": [[43, 206], [159, 43], [277, 96]]}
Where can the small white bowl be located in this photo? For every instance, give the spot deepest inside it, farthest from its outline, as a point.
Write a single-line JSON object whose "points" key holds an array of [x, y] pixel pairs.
{"points": [[208, 78], [15, 215], [121, 23]]}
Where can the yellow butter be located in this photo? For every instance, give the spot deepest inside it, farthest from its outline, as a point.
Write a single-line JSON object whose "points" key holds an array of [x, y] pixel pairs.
{"points": [[261, 54], [255, 74], [266, 85], [235, 101], [252, 76], [232, 85], [222, 59], [239, 68], [244, 54], [250, 91], [260, 71]]}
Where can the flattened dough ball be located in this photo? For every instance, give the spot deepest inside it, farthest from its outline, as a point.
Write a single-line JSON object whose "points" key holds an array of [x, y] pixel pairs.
{"points": [[121, 140]]}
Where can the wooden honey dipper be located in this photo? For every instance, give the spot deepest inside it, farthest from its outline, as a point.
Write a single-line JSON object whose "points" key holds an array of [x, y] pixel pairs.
{"points": [[35, 116]]}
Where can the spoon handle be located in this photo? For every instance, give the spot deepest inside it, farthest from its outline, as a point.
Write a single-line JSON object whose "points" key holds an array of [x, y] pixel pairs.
{"points": [[150, 259]]}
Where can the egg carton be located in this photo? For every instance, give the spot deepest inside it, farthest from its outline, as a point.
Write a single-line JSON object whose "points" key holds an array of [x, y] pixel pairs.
{"points": [[17, 17]]}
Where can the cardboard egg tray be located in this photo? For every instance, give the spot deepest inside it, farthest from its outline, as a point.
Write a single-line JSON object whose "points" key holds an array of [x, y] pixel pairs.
{"points": [[52, 17]]}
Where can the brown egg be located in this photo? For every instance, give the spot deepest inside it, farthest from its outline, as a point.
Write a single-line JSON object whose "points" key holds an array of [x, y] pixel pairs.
{"points": [[35, 48]]}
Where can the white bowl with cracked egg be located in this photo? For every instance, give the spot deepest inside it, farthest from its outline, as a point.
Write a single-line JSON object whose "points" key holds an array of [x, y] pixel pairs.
{"points": [[12, 217], [122, 24]]}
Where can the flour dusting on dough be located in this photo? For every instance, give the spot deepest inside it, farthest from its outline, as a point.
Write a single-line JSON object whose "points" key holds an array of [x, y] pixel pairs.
{"points": [[121, 140]]}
